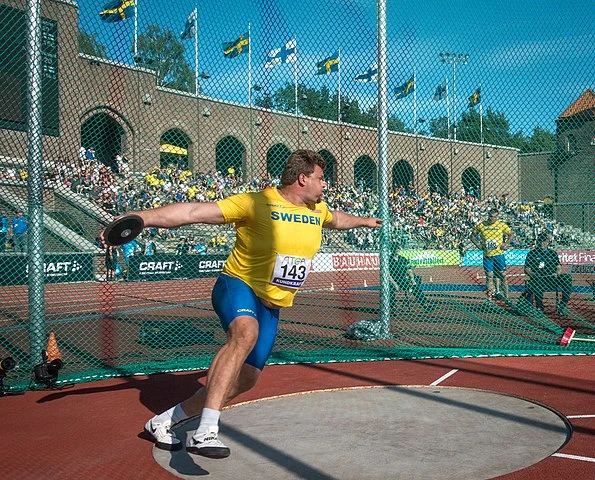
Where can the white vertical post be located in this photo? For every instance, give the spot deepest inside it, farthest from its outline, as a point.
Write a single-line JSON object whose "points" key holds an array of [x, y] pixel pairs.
{"points": [[481, 121], [454, 98], [414, 101], [295, 76], [384, 211], [339, 86], [135, 28], [447, 110], [249, 67], [196, 51]]}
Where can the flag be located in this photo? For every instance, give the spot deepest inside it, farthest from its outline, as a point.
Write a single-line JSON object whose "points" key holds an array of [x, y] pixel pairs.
{"points": [[440, 92], [405, 89], [328, 65], [190, 27], [475, 98], [233, 49], [370, 76], [117, 10], [285, 54]]}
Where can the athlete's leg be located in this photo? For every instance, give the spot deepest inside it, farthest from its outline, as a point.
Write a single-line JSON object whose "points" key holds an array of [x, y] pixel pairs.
{"points": [[247, 379], [488, 268]]}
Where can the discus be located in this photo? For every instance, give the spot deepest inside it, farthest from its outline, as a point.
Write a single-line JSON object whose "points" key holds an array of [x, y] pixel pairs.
{"points": [[123, 230]]}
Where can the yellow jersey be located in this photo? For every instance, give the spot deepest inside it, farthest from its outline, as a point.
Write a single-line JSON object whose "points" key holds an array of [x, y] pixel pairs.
{"points": [[491, 236], [275, 242]]}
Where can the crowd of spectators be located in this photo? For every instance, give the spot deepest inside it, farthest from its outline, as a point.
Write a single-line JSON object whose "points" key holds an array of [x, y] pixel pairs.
{"points": [[429, 220]]}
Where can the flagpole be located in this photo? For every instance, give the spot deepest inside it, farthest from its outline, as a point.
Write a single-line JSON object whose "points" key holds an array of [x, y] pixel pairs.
{"points": [[196, 51], [135, 28], [339, 86], [295, 76], [249, 67], [414, 101], [447, 110], [480, 119]]}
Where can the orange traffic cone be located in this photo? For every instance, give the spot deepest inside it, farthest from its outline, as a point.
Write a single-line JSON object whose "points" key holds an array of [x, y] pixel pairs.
{"points": [[52, 351]]}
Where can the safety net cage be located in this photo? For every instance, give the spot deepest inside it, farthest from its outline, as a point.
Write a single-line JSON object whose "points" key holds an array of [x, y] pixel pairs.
{"points": [[469, 129]]}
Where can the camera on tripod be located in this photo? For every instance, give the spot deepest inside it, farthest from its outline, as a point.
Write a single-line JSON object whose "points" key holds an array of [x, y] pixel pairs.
{"points": [[46, 372]]}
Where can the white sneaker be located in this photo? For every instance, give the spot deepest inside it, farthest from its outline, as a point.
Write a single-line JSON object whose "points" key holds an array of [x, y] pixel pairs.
{"points": [[165, 439], [207, 444]]}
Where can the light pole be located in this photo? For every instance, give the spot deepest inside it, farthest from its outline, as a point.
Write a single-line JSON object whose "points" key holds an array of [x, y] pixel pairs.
{"points": [[454, 58]]}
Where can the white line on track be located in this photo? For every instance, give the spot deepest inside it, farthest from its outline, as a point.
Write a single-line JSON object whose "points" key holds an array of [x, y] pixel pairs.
{"points": [[444, 377], [574, 457], [580, 416]]}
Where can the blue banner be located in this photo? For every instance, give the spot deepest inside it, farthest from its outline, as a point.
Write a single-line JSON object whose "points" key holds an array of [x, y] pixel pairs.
{"points": [[474, 258]]}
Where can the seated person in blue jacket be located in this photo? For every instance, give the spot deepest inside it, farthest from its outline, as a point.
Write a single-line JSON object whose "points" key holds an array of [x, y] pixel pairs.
{"points": [[543, 268]]}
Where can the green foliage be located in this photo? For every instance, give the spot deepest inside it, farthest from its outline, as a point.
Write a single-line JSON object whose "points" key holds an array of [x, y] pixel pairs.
{"points": [[89, 44], [496, 131], [159, 49], [321, 104]]}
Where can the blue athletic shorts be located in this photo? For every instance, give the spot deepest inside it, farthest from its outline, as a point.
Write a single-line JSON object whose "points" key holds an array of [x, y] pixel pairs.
{"points": [[233, 298], [497, 263]]}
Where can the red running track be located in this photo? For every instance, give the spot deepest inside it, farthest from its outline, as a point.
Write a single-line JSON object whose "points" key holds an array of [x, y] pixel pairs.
{"points": [[94, 430]]}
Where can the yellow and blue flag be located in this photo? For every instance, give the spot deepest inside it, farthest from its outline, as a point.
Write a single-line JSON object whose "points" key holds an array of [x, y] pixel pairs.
{"points": [[239, 46], [328, 65], [117, 10], [475, 98], [407, 88]]}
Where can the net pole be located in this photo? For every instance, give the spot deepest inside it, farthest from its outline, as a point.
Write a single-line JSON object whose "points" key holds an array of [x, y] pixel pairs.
{"points": [[35, 182], [382, 169]]}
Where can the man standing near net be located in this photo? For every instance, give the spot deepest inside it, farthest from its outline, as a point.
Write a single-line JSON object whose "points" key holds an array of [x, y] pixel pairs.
{"points": [[493, 237], [279, 230]]}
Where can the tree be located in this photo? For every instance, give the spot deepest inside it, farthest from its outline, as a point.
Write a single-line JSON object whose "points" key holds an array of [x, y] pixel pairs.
{"points": [[321, 104], [160, 50], [89, 44], [439, 127], [541, 141]]}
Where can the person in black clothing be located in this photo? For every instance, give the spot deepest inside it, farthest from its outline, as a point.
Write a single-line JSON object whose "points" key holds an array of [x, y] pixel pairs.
{"points": [[405, 279], [543, 268]]}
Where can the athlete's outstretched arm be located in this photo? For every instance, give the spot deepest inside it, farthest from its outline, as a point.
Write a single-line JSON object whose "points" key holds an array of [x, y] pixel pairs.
{"points": [[179, 214], [344, 221]]}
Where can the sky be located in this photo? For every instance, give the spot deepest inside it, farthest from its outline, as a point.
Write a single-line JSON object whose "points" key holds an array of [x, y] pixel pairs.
{"points": [[531, 58]]}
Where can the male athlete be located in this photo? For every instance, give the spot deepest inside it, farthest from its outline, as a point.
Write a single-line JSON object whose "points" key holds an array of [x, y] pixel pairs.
{"points": [[279, 230], [494, 237]]}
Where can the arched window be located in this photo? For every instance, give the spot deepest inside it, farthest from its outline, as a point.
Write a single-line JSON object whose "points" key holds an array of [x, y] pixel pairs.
{"points": [[230, 154], [276, 159], [103, 133], [173, 149], [471, 182], [330, 172], [402, 175], [365, 173], [438, 179]]}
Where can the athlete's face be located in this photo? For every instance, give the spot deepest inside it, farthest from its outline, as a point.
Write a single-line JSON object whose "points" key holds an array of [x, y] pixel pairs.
{"points": [[492, 218], [314, 185]]}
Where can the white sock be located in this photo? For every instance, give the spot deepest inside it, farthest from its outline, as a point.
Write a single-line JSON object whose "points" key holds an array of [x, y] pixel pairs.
{"points": [[174, 415], [208, 418]]}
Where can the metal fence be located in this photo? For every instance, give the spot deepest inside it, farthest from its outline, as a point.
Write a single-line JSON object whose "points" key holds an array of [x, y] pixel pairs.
{"points": [[429, 121]]}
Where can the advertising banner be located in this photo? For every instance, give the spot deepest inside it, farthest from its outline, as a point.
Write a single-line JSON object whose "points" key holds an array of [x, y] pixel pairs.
{"points": [[577, 257], [431, 258], [474, 258], [165, 266], [58, 268]]}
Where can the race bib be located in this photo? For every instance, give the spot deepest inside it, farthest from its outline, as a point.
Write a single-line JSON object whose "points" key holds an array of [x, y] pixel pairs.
{"points": [[491, 245], [290, 271]]}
